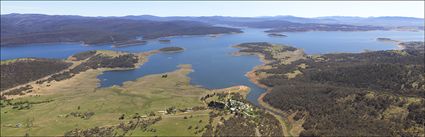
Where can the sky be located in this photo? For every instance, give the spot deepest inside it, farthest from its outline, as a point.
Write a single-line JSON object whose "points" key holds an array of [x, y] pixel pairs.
{"points": [[218, 8]]}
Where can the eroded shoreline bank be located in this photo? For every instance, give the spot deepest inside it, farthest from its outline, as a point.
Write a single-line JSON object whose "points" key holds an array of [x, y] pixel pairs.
{"points": [[289, 127]]}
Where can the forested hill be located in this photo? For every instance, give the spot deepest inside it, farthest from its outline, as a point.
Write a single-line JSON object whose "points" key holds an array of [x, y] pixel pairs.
{"points": [[36, 28], [379, 93]]}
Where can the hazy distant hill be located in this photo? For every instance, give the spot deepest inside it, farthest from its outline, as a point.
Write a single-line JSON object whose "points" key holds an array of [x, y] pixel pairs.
{"points": [[392, 21], [275, 24], [381, 21], [388, 21], [286, 26], [35, 28]]}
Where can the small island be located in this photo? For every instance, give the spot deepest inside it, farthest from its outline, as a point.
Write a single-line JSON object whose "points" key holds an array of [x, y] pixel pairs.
{"points": [[276, 35], [214, 35], [386, 40], [171, 49], [129, 43], [164, 41]]}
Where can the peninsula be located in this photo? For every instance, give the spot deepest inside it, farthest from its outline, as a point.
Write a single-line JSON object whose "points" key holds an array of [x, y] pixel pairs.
{"points": [[163, 100]]}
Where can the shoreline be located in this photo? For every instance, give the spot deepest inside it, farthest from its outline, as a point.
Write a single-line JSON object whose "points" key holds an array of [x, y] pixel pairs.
{"points": [[143, 57], [267, 31], [278, 114], [289, 126], [396, 43], [251, 74], [264, 105], [82, 43]]}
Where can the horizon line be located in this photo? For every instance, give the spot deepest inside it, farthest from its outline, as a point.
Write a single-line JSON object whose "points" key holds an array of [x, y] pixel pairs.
{"points": [[211, 16]]}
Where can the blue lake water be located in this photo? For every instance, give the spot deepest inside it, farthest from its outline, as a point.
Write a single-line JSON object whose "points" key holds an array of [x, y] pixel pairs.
{"points": [[211, 57]]}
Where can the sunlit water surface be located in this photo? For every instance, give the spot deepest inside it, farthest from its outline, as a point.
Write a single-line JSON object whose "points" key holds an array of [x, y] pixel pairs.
{"points": [[211, 57]]}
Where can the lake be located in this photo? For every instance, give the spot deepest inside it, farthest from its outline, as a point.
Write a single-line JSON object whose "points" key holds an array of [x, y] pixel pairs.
{"points": [[211, 57]]}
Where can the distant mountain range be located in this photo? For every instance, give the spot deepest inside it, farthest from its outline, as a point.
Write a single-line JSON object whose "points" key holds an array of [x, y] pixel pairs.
{"points": [[19, 29], [282, 23], [386, 21]]}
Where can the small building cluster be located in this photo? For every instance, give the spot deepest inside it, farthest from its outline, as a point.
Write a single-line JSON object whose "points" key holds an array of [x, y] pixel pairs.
{"points": [[239, 107]]}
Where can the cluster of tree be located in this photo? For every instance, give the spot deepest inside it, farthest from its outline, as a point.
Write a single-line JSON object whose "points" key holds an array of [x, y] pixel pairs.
{"points": [[196, 108], [380, 70], [19, 91], [325, 117], [339, 111], [209, 131], [197, 128], [101, 61], [171, 110], [95, 62], [138, 123], [216, 105], [268, 125], [22, 71], [407, 56], [237, 125], [417, 112], [96, 131], [36, 28], [85, 115], [171, 49], [19, 105], [83, 55], [120, 130], [262, 48], [394, 77], [362, 94]]}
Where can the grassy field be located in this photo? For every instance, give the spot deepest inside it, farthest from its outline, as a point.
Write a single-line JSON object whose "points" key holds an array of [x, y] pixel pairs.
{"points": [[154, 105], [177, 125], [79, 94]]}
